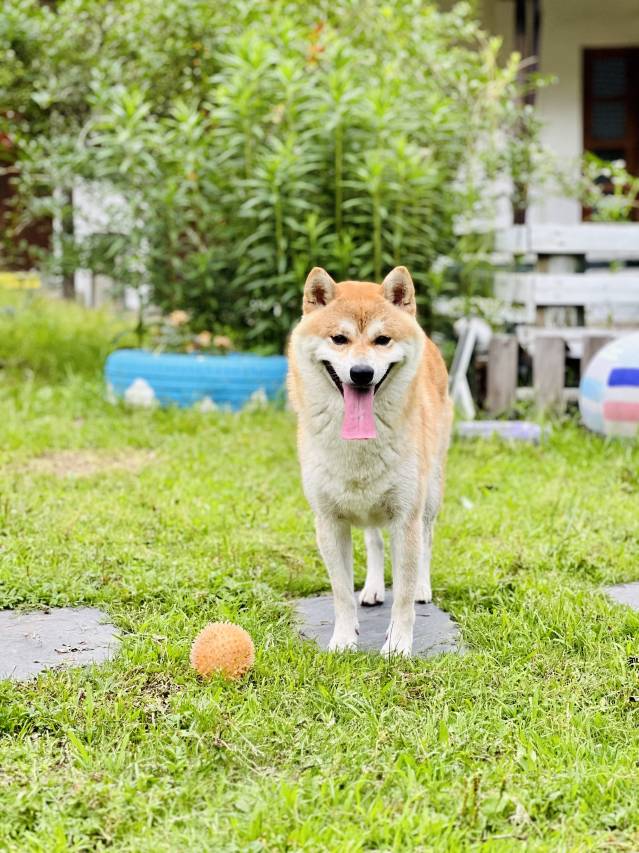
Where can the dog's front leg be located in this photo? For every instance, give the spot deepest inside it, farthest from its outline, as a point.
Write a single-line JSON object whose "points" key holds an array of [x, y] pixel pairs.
{"points": [[334, 540], [406, 546]]}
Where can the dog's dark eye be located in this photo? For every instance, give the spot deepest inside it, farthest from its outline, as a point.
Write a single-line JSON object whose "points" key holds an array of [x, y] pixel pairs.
{"points": [[382, 340], [339, 339]]}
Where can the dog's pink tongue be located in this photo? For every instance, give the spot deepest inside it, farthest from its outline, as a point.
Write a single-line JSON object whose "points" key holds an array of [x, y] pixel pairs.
{"points": [[359, 421]]}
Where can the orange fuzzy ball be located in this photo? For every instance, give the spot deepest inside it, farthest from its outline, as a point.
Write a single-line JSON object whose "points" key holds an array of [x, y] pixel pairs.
{"points": [[224, 648]]}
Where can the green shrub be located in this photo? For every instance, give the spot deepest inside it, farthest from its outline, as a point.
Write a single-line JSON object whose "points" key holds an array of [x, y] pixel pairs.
{"points": [[608, 189], [53, 338], [255, 140]]}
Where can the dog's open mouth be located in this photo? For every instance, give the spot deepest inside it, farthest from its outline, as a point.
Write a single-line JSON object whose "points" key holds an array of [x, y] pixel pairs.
{"points": [[338, 382], [359, 420], [331, 372]]}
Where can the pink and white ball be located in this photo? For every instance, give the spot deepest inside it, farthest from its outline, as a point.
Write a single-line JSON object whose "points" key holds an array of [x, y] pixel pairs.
{"points": [[609, 389]]}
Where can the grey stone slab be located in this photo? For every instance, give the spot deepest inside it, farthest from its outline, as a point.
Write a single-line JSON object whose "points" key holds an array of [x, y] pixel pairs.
{"points": [[435, 631], [625, 593], [53, 639]]}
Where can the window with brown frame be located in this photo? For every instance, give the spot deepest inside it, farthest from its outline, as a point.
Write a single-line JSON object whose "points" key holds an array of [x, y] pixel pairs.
{"points": [[611, 104]]}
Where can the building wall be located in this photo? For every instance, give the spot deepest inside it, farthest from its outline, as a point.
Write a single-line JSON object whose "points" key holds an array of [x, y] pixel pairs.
{"points": [[97, 209], [568, 26]]}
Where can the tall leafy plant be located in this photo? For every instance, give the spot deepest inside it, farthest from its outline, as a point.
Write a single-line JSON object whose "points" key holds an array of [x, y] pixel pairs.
{"points": [[250, 141]]}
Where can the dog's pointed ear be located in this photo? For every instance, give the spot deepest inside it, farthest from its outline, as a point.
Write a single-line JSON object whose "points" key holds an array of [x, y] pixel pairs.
{"points": [[319, 290], [399, 289]]}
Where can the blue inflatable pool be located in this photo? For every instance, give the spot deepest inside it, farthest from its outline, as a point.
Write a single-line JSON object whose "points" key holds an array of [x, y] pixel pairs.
{"points": [[225, 381]]}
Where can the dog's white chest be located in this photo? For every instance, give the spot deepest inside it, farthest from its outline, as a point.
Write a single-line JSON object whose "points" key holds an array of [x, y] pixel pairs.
{"points": [[366, 482]]}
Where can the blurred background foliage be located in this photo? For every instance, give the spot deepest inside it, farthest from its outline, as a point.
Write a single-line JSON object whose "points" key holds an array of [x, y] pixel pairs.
{"points": [[54, 339], [253, 140]]}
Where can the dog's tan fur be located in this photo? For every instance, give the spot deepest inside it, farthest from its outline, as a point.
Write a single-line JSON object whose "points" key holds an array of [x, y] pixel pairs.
{"points": [[395, 480]]}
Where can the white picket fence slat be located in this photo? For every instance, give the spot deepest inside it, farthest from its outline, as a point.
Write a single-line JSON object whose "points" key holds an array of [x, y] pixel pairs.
{"points": [[546, 289], [582, 239]]}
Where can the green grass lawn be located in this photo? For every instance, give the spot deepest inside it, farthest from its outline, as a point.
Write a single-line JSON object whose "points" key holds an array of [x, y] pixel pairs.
{"points": [[527, 741]]}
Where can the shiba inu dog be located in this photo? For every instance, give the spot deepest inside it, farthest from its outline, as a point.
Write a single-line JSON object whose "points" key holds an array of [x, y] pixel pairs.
{"points": [[371, 396]]}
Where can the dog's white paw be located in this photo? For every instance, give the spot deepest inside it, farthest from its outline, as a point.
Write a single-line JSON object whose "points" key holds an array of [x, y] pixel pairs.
{"points": [[398, 643], [372, 595], [343, 640], [423, 593]]}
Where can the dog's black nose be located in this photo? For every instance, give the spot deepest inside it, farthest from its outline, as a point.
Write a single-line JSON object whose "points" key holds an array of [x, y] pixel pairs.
{"points": [[361, 374]]}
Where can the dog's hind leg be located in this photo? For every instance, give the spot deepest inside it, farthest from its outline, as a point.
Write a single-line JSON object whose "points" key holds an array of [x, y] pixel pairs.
{"points": [[423, 591], [334, 541], [406, 545], [373, 591]]}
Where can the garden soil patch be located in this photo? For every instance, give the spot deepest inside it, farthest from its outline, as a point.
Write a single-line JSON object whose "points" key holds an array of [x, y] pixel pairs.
{"points": [[86, 463]]}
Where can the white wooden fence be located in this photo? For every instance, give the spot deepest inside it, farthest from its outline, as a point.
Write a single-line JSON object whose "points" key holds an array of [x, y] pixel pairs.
{"points": [[566, 308]]}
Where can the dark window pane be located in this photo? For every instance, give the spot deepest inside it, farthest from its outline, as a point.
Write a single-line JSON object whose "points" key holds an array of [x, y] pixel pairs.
{"points": [[609, 77], [610, 153], [608, 120]]}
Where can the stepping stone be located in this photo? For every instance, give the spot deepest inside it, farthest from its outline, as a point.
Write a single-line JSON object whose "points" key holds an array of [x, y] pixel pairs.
{"points": [[53, 639], [435, 631], [625, 593]]}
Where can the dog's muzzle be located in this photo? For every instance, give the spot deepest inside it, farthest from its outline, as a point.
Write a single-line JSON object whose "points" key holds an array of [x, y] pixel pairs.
{"points": [[338, 382]]}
